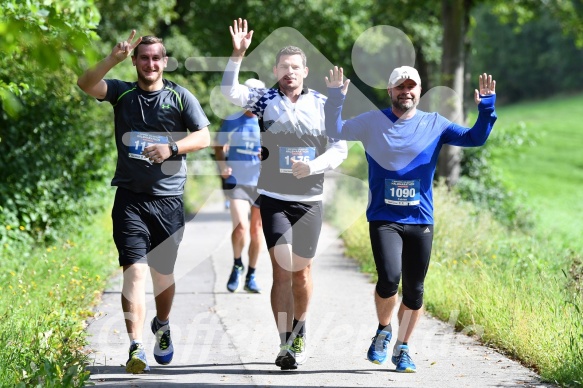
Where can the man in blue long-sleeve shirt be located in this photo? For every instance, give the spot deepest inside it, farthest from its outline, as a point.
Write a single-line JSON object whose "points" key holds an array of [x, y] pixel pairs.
{"points": [[402, 144]]}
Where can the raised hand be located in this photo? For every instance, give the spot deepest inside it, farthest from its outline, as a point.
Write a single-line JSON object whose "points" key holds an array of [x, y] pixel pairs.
{"points": [[336, 79], [487, 87], [123, 49], [240, 36]]}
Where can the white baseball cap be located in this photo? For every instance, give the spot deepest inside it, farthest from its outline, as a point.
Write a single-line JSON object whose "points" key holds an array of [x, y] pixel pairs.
{"points": [[402, 73], [254, 83]]}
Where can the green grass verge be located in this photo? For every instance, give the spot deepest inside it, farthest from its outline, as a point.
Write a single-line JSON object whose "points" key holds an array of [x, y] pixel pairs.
{"points": [[202, 181], [507, 288], [511, 286], [47, 295], [551, 170]]}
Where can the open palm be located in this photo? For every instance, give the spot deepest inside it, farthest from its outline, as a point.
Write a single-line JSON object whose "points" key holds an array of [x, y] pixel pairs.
{"points": [[487, 87], [240, 35], [336, 79]]}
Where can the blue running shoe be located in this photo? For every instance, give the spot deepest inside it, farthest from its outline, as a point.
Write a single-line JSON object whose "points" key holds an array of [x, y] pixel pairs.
{"points": [[403, 361], [137, 362], [377, 352], [163, 350], [235, 278], [251, 285]]}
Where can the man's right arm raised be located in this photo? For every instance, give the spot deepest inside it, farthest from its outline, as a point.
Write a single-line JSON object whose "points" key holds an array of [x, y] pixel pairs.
{"points": [[91, 82], [234, 92]]}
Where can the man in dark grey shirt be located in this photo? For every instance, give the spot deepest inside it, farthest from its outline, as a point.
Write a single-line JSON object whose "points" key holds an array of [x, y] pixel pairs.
{"points": [[153, 118]]}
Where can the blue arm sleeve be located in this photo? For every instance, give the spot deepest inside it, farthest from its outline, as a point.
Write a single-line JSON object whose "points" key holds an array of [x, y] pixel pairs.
{"points": [[333, 114], [479, 132]]}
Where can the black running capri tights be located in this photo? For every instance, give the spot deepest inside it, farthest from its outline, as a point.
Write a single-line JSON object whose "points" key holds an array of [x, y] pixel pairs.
{"points": [[401, 250]]}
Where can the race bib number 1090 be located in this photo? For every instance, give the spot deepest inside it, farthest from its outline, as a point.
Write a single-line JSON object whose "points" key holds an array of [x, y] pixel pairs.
{"points": [[402, 193]]}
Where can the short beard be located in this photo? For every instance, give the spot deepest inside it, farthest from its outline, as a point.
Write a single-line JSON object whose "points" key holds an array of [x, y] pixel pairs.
{"points": [[148, 82], [285, 87], [410, 104]]}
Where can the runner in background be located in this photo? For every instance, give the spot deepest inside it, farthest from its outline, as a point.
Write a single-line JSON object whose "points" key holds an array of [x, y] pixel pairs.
{"points": [[237, 154]]}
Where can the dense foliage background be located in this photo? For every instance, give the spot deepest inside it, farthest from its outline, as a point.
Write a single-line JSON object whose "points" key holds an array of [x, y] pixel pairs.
{"points": [[56, 143]]}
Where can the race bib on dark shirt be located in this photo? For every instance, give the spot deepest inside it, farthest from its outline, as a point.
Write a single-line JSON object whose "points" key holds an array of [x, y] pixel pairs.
{"points": [[140, 140], [295, 154], [402, 193]]}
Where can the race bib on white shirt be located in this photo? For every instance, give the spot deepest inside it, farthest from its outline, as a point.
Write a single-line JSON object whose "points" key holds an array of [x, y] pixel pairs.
{"points": [[287, 155]]}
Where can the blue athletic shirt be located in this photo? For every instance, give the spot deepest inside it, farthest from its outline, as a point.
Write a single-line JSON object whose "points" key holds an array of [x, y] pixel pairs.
{"points": [[241, 133], [402, 154]]}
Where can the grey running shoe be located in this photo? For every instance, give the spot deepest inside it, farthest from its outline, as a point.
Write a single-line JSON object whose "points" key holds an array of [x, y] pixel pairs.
{"points": [[137, 362]]}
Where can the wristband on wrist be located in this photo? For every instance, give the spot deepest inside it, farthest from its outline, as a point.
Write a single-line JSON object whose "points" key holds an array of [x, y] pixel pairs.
{"points": [[173, 148]]}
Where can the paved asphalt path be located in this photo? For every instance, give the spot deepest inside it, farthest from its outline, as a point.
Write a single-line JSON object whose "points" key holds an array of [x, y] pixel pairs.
{"points": [[230, 340]]}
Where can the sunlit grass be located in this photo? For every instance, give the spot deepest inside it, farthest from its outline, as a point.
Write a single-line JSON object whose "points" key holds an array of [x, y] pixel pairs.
{"points": [[510, 284], [550, 171], [201, 182], [45, 302], [48, 293], [507, 288]]}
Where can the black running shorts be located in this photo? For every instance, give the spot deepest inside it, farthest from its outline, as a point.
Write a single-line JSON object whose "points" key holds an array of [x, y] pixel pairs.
{"points": [[295, 223], [148, 229], [244, 192]]}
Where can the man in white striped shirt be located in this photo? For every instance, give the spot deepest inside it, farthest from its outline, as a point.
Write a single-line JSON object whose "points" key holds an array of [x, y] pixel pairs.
{"points": [[295, 154]]}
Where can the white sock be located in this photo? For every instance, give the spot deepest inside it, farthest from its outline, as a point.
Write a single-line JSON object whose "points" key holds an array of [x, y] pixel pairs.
{"points": [[160, 323]]}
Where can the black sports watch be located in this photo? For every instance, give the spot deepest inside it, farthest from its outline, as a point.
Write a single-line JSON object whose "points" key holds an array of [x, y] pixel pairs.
{"points": [[173, 148]]}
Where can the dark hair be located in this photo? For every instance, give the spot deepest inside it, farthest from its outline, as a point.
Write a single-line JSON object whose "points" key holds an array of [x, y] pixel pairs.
{"points": [[149, 39], [291, 50]]}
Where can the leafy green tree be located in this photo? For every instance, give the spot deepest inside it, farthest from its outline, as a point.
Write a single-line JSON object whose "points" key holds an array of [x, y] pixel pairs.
{"points": [[52, 146], [46, 37], [423, 26], [452, 25], [457, 46], [537, 53], [146, 17], [329, 25]]}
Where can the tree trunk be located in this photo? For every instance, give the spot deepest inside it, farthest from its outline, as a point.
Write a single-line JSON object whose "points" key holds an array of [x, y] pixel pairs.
{"points": [[455, 17]]}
